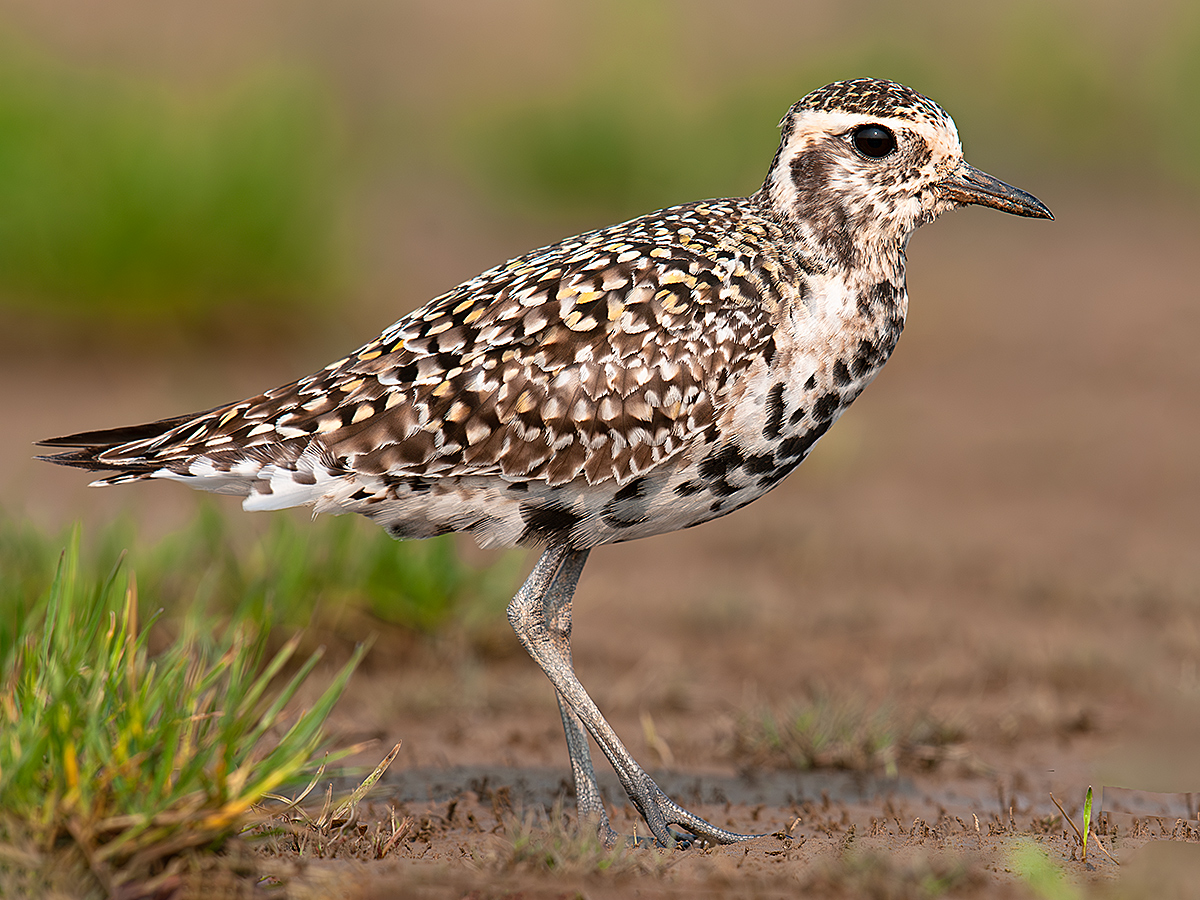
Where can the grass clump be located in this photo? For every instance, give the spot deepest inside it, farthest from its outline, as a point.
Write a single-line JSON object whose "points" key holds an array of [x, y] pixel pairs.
{"points": [[121, 761], [337, 831], [335, 574], [830, 733], [536, 842], [318, 570]]}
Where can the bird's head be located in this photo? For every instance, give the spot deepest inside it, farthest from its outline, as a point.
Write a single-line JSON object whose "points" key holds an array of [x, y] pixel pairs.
{"points": [[863, 163]]}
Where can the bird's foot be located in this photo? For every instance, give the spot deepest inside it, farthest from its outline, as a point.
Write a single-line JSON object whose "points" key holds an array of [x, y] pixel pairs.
{"points": [[599, 822], [661, 812]]}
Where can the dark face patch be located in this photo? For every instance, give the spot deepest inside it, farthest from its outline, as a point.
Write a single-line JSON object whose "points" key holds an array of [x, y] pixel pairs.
{"points": [[810, 172], [919, 155]]}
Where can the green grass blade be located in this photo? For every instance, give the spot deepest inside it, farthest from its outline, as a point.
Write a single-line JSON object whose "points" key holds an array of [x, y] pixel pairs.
{"points": [[1087, 820]]}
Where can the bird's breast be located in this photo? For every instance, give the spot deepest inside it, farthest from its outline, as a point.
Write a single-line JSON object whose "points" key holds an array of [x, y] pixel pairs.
{"points": [[831, 340]]}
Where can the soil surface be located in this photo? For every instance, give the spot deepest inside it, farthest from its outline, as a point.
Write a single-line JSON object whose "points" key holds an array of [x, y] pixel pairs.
{"points": [[994, 556]]}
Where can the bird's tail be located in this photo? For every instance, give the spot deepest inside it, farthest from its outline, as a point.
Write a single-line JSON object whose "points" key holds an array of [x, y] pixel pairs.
{"points": [[127, 450]]}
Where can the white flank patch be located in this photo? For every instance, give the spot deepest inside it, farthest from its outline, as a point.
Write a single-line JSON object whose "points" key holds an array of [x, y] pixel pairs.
{"points": [[202, 476], [285, 492]]}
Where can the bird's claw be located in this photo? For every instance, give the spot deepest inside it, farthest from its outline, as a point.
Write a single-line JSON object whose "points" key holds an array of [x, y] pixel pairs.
{"points": [[661, 812]]}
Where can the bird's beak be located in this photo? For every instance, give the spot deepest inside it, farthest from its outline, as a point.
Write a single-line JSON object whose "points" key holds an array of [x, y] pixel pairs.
{"points": [[966, 184]]}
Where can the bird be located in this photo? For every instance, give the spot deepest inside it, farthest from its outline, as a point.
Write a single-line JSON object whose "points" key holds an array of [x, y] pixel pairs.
{"points": [[630, 381]]}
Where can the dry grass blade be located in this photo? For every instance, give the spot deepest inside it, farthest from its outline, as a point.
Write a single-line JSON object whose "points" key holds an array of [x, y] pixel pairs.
{"points": [[398, 833], [299, 798], [334, 832], [1100, 844], [1068, 819], [346, 810], [325, 818]]}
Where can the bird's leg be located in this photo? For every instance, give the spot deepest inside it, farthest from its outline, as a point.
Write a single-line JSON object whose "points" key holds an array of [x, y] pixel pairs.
{"points": [[528, 615], [556, 605], [588, 802]]}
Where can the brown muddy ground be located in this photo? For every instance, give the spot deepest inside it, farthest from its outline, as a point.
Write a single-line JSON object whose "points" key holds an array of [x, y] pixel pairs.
{"points": [[1001, 538]]}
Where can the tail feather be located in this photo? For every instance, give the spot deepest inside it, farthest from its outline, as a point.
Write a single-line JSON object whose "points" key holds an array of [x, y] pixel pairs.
{"points": [[111, 437], [195, 450], [87, 448], [81, 459]]}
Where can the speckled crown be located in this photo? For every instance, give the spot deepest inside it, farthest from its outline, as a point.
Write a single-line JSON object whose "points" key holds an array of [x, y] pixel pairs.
{"points": [[872, 97]]}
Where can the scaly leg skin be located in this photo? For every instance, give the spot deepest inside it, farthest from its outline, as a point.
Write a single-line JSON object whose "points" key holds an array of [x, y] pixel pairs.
{"points": [[527, 613], [556, 606], [588, 802]]}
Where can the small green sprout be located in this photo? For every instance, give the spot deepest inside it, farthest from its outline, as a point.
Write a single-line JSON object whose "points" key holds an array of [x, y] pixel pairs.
{"points": [[1087, 826], [1087, 820]]}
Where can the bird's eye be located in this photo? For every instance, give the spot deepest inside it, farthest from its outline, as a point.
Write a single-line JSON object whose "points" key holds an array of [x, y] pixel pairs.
{"points": [[874, 141]]}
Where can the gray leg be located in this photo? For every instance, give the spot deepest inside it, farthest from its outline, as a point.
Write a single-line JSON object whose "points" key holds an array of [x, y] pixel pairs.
{"points": [[556, 605], [588, 801], [528, 615]]}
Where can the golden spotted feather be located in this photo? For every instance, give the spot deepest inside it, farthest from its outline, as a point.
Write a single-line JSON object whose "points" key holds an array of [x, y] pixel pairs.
{"points": [[599, 357]]}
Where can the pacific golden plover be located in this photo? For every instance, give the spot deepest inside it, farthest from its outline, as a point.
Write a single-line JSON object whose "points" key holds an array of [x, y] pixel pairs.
{"points": [[623, 383]]}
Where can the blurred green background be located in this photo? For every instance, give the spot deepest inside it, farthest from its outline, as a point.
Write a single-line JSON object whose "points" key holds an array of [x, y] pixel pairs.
{"points": [[226, 170]]}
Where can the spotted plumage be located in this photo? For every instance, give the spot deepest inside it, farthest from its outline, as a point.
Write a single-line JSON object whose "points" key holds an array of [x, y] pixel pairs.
{"points": [[629, 381]]}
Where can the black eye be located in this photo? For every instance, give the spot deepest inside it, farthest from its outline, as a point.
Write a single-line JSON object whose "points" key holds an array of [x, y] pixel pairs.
{"points": [[874, 141]]}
